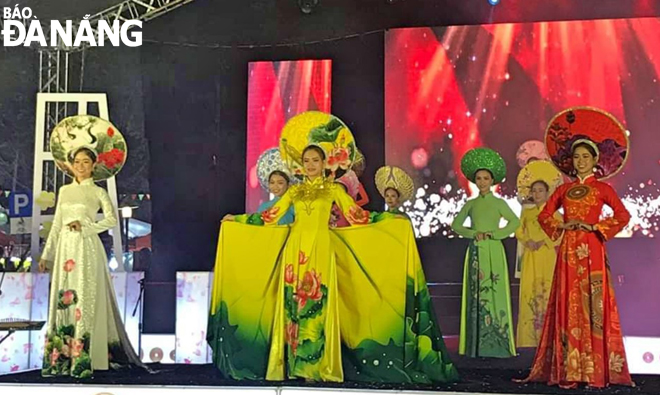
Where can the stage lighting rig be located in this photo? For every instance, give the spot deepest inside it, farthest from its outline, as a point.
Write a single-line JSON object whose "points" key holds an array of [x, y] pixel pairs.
{"points": [[307, 6]]}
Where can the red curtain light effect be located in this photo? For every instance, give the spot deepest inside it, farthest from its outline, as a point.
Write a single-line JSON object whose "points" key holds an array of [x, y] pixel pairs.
{"points": [[451, 89], [278, 91], [455, 88]]}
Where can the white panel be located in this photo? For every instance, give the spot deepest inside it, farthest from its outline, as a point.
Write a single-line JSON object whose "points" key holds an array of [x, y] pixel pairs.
{"points": [[15, 303], [158, 348], [192, 310], [39, 312], [643, 354]]}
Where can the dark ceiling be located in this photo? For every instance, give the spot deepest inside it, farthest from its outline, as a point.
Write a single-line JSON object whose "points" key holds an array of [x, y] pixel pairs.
{"points": [[266, 21]]}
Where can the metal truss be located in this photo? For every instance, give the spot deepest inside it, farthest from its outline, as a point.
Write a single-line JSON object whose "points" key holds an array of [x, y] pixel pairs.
{"points": [[62, 66], [61, 71], [145, 10], [54, 62]]}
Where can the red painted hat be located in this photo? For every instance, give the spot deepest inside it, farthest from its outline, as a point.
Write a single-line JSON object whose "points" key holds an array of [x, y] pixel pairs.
{"points": [[597, 128]]}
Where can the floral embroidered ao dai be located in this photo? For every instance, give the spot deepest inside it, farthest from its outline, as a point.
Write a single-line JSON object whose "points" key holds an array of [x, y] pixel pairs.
{"points": [[286, 219], [85, 331], [582, 340], [486, 319], [305, 301], [537, 269]]}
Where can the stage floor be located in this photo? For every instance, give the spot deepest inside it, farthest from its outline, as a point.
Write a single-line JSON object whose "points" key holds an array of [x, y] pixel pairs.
{"points": [[485, 377]]}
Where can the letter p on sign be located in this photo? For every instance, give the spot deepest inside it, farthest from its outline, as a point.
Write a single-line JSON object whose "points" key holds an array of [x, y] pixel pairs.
{"points": [[20, 205]]}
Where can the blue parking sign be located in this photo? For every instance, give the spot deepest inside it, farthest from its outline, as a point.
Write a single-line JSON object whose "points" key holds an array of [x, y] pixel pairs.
{"points": [[20, 204]]}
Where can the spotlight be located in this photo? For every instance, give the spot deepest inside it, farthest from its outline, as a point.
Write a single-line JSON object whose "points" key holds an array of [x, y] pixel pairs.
{"points": [[307, 6], [493, 2]]}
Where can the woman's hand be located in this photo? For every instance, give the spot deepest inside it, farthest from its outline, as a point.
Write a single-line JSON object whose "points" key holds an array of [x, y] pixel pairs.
{"points": [[584, 226], [228, 218], [75, 226], [43, 266], [483, 236], [570, 225], [577, 225], [533, 245]]}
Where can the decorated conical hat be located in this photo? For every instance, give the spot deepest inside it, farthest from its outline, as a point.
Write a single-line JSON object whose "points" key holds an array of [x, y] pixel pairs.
{"points": [[595, 126], [531, 150], [540, 170], [483, 158], [394, 177], [96, 134], [323, 130], [268, 162]]}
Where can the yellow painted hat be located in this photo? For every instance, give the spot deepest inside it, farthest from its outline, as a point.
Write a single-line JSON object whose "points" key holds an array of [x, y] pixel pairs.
{"points": [[394, 177], [323, 130], [539, 170]]}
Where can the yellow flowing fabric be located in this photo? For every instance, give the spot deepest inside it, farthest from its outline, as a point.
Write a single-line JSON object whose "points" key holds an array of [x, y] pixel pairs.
{"points": [[326, 305], [537, 270]]}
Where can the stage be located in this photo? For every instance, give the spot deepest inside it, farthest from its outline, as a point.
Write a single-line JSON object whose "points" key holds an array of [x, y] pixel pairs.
{"points": [[478, 376], [199, 104]]}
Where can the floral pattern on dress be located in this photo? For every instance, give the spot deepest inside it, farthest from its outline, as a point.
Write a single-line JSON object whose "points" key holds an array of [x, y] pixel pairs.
{"points": [[582, 340]]}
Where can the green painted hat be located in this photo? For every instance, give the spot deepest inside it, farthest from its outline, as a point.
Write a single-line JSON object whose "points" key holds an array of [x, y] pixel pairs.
{"points": [[483, 159]]}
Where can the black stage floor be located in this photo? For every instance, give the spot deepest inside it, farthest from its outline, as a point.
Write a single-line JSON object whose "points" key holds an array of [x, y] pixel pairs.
{"points": [[477, 375]]}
